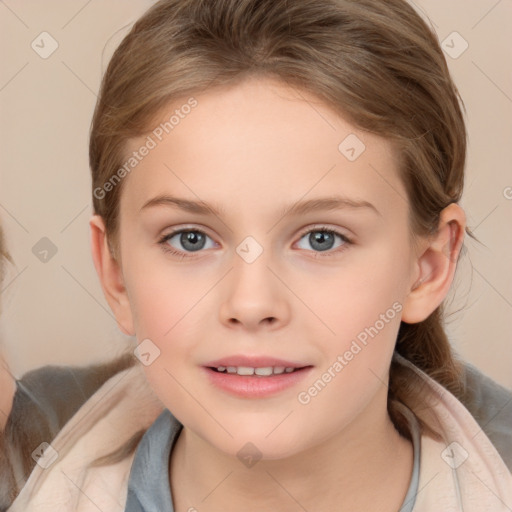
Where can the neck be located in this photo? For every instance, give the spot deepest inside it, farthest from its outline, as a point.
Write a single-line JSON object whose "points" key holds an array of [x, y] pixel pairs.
{"points": [[366, 463]]}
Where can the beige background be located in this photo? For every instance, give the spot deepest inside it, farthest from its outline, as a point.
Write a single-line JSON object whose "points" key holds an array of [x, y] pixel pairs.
{"points": [[55, 313]]}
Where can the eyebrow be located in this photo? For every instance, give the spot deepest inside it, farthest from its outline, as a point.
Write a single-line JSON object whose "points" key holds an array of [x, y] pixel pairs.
{"points": [[299, 208]]}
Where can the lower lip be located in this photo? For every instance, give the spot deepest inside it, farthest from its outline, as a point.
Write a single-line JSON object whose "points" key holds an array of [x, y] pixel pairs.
{"points": [[255, 386]]}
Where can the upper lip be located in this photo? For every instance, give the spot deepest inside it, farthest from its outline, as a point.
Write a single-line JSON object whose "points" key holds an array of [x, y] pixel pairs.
{"points": [[253, 362]]}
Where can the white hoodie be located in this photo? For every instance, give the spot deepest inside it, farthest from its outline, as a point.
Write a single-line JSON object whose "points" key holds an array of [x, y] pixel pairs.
{"points": [[462, 472]]}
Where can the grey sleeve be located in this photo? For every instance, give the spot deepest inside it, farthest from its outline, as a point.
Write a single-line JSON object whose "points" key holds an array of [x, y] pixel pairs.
{"points": [[44, 401], [491, 406]]}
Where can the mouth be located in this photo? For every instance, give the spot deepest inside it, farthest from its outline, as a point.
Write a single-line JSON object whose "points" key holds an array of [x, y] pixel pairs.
{"points": [[264, 378], [248, 371]]}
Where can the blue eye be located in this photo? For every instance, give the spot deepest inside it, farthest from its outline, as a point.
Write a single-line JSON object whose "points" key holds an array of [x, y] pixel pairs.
{"points": [[321, 239], [192, 240]]}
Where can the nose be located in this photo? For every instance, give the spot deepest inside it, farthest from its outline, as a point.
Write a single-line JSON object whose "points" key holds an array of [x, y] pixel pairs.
{"points": [[254, 297]]}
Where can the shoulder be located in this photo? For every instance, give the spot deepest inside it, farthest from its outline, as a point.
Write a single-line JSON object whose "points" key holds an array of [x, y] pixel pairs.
{"points": [[59, 391], [123, 405], [460, 468], [45, 400], [461, 474], [491, 405]]}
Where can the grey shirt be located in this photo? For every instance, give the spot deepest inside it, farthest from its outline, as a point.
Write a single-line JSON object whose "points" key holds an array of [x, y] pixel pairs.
{"points": [[148, 484]]}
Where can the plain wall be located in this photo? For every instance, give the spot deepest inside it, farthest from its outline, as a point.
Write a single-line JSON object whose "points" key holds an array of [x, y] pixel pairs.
{"points": [[54, 312]]}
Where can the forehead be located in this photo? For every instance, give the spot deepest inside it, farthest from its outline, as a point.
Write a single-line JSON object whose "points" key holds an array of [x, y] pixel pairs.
{"points": [[261, 142]]}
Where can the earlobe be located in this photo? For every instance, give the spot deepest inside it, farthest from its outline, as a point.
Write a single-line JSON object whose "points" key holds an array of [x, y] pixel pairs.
{"points": [[436, 266], [110, 275]]}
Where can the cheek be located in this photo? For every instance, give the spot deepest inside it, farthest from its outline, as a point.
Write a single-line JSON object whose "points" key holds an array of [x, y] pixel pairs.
{"points": [[165, 306], [163, 296], [169, 305], [354, 302], [362, 305], [359, 313], [354, 370]]}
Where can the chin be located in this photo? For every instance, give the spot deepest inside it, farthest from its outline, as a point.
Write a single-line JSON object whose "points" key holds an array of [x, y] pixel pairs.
{"points": [[257, 443]]}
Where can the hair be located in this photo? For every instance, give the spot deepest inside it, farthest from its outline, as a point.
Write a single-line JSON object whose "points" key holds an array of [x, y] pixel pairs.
{"points": [[4, 255], [377, 64]]}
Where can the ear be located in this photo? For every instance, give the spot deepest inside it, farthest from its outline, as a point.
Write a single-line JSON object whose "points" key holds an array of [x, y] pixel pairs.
{"points": [[436, 266], [111, 276]]}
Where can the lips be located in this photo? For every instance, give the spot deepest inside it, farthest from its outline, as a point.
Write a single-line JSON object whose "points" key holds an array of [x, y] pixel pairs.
{"points": [[254, 362], [255, 376]]}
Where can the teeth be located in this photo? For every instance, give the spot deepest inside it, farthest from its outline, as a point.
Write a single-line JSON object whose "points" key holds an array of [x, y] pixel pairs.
{"points": [[244, 370], [247, 370], [263, 371]]}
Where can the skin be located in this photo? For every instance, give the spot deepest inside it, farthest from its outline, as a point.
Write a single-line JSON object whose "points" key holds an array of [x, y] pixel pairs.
{"points": [[252, 149]]}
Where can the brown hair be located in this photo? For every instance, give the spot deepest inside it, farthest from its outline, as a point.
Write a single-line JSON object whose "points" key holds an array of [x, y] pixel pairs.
{"points": [[378, 64], [4, 255]]}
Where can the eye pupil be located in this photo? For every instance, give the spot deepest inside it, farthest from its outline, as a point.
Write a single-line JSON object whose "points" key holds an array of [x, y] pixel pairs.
{"points": [[194, 238], [320, 238]]}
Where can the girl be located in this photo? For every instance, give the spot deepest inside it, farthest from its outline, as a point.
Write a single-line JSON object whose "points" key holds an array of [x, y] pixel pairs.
{"points": [[276, 190]]}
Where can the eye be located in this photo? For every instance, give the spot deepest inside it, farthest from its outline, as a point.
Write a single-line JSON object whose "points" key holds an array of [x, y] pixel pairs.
{"points": [[322, 239], [190, 240]]}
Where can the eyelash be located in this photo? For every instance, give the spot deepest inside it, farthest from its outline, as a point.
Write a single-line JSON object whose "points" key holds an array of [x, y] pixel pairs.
{"points": [[169, 249]]}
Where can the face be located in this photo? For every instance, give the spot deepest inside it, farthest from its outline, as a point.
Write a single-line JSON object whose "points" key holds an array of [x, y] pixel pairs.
{"points": [[276, 277]]}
